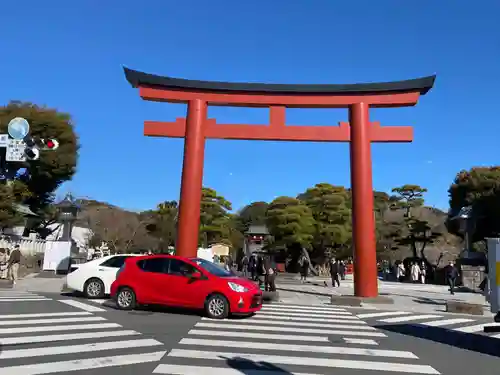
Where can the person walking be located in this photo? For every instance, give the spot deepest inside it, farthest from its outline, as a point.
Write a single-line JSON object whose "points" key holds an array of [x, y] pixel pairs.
{"points": [[423, 272], [415, 272], [400, 272], [270, 276], [304, 269], [334, 272], [13, 264], [3, 263], [451, 275]]}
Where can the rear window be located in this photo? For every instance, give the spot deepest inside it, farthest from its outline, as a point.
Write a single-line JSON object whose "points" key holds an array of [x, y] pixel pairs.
{"points": [[156, 265], [114, 262]]}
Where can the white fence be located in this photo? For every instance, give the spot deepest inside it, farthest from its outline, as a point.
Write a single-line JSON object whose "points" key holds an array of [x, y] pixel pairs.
{"points": [[28, 246]]}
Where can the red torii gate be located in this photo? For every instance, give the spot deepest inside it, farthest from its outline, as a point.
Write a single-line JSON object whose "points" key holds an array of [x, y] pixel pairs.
{"points": [[359, 131]]}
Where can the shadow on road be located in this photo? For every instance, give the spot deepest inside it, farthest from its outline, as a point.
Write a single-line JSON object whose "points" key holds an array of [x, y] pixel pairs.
{"points": [[469, 341], [246, 366]]}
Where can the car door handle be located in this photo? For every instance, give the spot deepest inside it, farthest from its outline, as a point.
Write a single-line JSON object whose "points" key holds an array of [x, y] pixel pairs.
{"points": [[101, 269]]}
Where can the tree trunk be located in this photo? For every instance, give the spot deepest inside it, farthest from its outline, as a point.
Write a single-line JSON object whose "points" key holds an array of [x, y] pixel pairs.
{"points": [[311, 268]]}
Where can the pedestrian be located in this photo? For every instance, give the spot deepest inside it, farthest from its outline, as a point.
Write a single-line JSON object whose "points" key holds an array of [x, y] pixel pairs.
{"points": [[342, 269], [270, 276], [334, 272], [423, 272], [252, 266], [3, 263], [304, 268], [451, 275], [400, 272], [13, 264], [244, 266], [415, 272]]}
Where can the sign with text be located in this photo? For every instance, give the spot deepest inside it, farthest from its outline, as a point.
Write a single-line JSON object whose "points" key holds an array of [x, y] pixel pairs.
{"points": [[15, 150]]}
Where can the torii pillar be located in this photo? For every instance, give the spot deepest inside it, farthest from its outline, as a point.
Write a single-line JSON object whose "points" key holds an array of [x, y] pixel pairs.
{"points": [[359, 131]]}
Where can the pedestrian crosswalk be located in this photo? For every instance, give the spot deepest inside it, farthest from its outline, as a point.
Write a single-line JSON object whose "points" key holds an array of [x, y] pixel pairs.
{"points": [[20, 296], [46, 343], [287, 339], [450, 322]]}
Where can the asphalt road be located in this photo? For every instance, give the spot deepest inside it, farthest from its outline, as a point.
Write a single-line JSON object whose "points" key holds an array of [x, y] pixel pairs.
{"points": [[63, 334]]}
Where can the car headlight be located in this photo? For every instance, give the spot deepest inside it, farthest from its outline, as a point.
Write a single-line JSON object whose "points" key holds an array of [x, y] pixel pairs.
{"points": [[237, 287]]}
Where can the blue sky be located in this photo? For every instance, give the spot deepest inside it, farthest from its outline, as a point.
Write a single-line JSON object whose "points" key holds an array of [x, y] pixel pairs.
{"points": [[70, 56]]}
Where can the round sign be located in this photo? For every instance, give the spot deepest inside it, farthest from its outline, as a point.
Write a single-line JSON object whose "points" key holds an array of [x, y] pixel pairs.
{"points": [[18, 128]]}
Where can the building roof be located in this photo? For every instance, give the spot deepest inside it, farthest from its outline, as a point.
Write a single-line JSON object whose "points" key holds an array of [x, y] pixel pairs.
{"points": [[137, 78], [257, 229]]}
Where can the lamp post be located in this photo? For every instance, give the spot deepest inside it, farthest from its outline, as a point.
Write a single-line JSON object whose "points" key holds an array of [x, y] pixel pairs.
{"points": [[68, 213]]}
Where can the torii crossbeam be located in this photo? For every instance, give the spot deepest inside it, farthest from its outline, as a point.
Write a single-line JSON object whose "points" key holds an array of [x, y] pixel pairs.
{"points": [[359, 132]]}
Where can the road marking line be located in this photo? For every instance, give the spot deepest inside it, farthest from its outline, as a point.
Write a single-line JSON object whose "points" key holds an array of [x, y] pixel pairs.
{"points": [[300, 361], [99, 301], [252, 335], [409, 318], [27, 296], [381, 314], [55, 320], [310, 313], [253, 327], [311, 307], [43, 315], [299, 348], [301, 309], [76, 327], [25, 299], [81, 306], [205, 370], [445, 322], [319, 315], [347, 319], [475, 328], [84, 348], [345, 324], [353, 340], [69, 336], [82, 364]]}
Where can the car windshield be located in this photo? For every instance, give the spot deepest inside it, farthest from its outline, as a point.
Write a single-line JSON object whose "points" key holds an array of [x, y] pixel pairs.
{"points": [[212, 268]]}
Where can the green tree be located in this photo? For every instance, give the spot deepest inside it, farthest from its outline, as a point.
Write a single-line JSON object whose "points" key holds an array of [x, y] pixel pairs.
{"points": [[214, 218], [332, 217], [478, 188], [290, 222], [252, 214], [11, 195], [43, 176], [162, 224], [418, 233]]}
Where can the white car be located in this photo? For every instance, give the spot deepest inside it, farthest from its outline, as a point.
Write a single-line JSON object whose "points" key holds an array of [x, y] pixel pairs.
{"points": [[94, 278]]}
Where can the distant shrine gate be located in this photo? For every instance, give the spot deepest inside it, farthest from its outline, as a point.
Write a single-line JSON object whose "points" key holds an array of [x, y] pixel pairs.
{"points": [[359, 131]]}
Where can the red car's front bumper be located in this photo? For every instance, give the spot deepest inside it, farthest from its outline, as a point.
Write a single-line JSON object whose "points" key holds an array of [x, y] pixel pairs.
{"points": [[245, 303]]}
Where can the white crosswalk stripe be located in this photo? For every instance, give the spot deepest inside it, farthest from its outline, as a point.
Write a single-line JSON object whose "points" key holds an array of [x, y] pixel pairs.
{"points": [[298, 340], [462, 324], [8, 296], [80, 340]]}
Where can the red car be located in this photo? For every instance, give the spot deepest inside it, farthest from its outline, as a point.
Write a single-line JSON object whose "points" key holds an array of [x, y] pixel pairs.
{"points": [[184, 282]]}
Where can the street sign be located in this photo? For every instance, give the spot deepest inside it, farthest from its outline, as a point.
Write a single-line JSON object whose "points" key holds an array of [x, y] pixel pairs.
{"points": [[4, 139], [15, 150], [18, 128]]}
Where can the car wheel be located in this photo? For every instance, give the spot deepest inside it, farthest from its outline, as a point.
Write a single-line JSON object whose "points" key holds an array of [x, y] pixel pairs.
{"points": [[125, 299], [94, 288], [217, 306]]}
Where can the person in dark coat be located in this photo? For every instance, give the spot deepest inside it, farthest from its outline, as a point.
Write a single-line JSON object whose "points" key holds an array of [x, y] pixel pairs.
{"points": [[304, 268], [451, 275], [334, 272], [270, 276]]}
